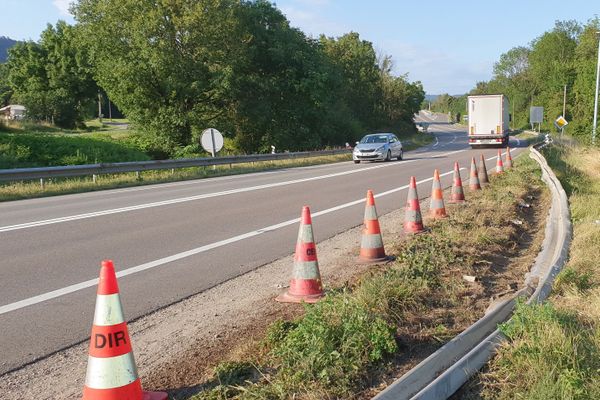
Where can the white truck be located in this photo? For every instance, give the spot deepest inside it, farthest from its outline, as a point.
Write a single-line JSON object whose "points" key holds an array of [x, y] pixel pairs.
{"points": [[488, 120]]}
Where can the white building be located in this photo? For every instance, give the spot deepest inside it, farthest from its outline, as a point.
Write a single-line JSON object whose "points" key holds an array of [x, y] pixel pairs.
{"points": [[13, 111]]}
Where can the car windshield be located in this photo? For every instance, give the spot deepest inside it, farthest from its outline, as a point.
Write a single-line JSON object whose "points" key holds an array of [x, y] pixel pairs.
{"points": [[375, 139]]}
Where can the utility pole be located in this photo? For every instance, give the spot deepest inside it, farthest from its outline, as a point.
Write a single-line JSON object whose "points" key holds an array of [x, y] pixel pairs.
{"points": [[109, 111], [562, 130], [512, 119], [596, 97], [99, 107]]}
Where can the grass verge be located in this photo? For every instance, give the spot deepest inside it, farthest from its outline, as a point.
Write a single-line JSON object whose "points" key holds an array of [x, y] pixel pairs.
{"points": [[553, 351], [22, 150], [416, 140], [366, 332], [60, 186]]}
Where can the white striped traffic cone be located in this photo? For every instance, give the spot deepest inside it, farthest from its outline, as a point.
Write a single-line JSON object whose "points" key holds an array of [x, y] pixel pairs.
{"points": [[499, 165], [482, 172], [457, 195], [437, 209], [508, 163], [111, 370], [371, 244], [474, 178], [305, 284], [413, 221]]}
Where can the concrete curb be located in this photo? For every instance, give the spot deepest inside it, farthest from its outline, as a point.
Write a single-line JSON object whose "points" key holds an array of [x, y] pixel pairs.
{"points": [[445, 371]]}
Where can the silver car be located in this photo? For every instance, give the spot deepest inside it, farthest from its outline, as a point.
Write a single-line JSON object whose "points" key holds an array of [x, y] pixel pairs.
{"points": [[378, 147]]}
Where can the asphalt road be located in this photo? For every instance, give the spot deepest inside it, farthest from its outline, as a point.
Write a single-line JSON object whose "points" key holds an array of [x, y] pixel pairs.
{"points": [[174, 240]]}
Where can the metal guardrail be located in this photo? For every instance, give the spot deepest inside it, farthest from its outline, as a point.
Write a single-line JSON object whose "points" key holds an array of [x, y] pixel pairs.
{"points": [[21, 174], [445, 371]]}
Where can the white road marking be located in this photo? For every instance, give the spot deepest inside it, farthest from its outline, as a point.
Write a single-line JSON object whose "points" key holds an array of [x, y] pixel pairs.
{"points": [[190, 198], [156, 263], [436, 142]]}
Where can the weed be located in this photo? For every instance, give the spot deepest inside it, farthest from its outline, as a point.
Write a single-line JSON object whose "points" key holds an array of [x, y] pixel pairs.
{"points": [[334, 345]]}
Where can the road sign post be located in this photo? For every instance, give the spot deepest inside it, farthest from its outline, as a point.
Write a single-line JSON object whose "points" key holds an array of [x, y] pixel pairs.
{"points": [[560, 122], [536, 116], [212, 141]]}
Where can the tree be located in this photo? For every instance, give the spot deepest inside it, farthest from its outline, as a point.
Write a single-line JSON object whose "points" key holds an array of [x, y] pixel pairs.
{"points": [[5, 89], [165, 65], [400, 98], [52, 78], [586, 55], [357, 62], [551, 66], [283, 88]]}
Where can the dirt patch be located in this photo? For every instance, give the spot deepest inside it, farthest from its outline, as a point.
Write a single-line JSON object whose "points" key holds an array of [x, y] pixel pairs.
{"points": [[498, 275]]}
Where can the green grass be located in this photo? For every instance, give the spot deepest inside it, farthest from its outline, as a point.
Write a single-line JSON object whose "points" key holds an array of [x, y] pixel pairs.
{"points": [[21, 150], [416, 140], [554, 349], [341, 344]]}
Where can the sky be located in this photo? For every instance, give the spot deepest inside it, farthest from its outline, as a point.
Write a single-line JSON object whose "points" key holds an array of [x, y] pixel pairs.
{"points": [[447, 45]]}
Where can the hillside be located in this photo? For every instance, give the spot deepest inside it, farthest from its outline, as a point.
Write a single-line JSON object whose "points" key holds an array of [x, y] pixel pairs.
{"points": [[5, 44]]}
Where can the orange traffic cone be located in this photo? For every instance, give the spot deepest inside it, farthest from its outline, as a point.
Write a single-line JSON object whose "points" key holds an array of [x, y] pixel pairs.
{"points": [[482, 173], [111, 370], [413, 222], [305, 284], [457, 195], [474, 178], [508, 163], [437, 208], [499, 165], [371, 244]]}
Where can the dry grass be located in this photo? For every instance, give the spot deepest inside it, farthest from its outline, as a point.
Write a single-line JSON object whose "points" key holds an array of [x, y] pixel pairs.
{"points": [[554, 349], [342, 348], [32, 189]]}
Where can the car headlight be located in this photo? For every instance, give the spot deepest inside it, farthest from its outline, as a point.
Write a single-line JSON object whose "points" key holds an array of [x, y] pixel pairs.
{"points": [[382, 148]]}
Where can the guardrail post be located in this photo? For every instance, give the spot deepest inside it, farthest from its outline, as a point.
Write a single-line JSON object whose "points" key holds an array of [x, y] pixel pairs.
{"points": [[42, 184], [172, 171], [95, 178], [138, 176]]}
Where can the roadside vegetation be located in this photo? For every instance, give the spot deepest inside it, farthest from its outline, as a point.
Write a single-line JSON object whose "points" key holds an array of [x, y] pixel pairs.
{"points": [[175, 69], [369, 330], [22, 150], [553, 350]]}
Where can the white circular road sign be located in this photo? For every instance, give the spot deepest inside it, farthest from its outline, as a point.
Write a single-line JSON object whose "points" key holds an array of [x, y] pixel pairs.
{"points": [[212, 140]]}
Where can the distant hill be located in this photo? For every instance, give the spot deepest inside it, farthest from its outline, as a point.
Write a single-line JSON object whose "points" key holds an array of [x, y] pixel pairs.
{"points": [[5, 44]]}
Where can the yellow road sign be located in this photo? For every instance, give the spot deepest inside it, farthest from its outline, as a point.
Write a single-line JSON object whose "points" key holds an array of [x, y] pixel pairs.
{"points": [[561, 122]]}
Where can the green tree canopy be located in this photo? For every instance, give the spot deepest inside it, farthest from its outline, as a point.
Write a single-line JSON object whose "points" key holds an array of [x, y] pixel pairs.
{"points": [[52, 78]]}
